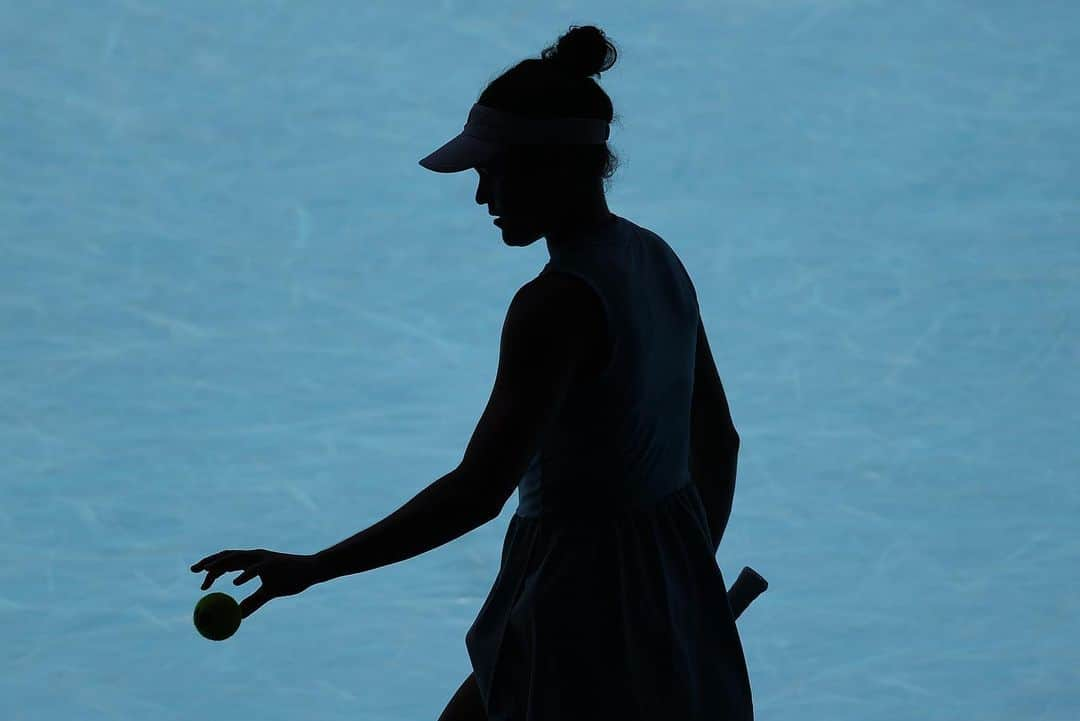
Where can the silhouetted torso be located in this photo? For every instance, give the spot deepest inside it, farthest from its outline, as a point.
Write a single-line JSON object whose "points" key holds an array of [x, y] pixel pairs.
{"points": [[609, 602]]}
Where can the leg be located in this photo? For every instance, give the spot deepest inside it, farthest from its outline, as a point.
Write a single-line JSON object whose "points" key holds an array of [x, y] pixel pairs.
{"points": [[466, 704]]}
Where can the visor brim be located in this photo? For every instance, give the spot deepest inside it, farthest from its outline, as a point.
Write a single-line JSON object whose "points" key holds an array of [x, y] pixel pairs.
{"points": [[459, 153]]}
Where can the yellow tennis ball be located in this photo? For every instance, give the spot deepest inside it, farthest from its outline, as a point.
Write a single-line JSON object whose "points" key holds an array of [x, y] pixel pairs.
{"points": [[217, 616]]}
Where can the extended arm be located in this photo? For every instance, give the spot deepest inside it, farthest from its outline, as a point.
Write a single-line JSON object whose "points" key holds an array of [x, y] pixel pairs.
{"points": [[540, 351], [444, 511]]}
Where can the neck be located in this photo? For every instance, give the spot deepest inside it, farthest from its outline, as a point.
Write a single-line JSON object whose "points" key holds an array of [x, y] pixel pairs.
{"points": [[565, 240], [587, 214]]}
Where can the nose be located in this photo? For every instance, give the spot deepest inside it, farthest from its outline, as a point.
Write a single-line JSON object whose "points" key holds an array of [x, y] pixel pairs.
{"points": [[491, 190], [483, 195]]}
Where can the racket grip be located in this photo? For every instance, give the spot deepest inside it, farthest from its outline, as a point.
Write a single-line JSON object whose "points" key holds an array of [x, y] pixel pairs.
{"points": [[748, 586]]}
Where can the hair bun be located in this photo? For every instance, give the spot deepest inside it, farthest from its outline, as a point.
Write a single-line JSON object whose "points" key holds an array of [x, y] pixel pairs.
{"points": [[583, 51]]}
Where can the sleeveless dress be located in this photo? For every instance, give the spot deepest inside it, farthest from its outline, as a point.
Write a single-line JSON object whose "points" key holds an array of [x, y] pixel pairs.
{"points": [[609, 604]]}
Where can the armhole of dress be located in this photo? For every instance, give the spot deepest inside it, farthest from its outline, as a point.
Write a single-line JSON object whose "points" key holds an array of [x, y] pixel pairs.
{"points": [[609, 339]]}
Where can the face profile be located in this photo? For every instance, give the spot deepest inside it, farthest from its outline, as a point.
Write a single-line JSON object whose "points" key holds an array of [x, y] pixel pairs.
{"points": [[532, 200], [515, 199]]}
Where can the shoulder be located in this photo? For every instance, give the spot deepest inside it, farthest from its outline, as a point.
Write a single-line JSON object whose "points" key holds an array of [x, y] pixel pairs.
{"points": [[564, 299]]}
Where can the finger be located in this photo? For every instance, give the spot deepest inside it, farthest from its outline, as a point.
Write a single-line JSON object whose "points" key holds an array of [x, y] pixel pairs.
{"points": [[248, 574], [230, 561], [254, 602], [209, 580], [208, 560], [218, 568], [201, 565]]}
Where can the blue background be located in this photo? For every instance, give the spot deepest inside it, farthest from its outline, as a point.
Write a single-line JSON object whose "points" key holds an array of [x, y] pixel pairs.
{"points": [[236, 313]]}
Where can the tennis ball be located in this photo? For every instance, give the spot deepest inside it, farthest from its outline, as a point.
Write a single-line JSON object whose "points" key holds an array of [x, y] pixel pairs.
{"points": [[217, 616]]}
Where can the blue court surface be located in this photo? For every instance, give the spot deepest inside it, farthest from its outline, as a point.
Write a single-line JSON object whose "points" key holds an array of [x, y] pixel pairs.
{"points": [[236, 313]]}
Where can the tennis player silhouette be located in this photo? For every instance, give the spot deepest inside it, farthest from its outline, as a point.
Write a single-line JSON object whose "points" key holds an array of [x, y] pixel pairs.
{"points": [[607, 417]]}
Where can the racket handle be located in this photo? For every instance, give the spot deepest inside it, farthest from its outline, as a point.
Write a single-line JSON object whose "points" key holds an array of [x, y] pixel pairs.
{"points": [[748, 586]]}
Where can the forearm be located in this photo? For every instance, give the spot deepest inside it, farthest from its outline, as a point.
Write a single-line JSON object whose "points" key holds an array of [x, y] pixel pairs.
{"points": [[714, 473], [442, 512]]}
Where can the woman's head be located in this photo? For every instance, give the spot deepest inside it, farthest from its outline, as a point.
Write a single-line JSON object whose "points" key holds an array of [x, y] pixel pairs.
{"points": [[548, 186], [560, 84]]}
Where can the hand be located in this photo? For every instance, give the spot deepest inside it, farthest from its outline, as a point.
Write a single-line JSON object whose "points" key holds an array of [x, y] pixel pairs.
{"points": [[282, 574]]}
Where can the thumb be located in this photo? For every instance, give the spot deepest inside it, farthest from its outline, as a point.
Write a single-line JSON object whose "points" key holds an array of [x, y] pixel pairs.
{"points": [[254, 602]]}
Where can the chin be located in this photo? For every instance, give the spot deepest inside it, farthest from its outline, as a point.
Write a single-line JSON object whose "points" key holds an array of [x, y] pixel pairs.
{"points": [[518, 241], [520, 236]]}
